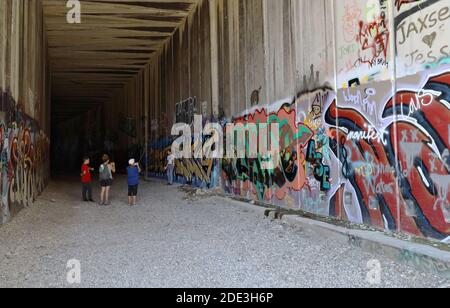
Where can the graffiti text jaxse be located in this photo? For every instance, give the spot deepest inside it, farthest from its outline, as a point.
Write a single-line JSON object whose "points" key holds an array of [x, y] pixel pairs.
{"points": [[425, 27]]}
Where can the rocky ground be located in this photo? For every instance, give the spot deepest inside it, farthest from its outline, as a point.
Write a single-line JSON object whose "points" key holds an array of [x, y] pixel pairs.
{"points": [[177, 239]]}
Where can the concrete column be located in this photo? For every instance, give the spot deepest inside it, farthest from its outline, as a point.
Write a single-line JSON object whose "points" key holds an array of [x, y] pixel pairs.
{"points": [[214, 57], [146, 111], [393, 56], [15, 50], [3, 34]]}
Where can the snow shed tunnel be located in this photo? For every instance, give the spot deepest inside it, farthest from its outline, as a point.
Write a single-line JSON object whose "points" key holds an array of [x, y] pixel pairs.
{"points": [[360, 88]]}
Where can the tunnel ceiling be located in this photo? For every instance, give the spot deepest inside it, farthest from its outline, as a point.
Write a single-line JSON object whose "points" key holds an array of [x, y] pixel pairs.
{"points": [[115, 39]]}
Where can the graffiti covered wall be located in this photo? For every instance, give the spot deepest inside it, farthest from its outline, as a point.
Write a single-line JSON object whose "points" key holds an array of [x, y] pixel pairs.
{"points": [[388, 124], [202, 173], [360, 90], [24, 161], [303, 169], [24, 106], [394, 163], [372, 157]]}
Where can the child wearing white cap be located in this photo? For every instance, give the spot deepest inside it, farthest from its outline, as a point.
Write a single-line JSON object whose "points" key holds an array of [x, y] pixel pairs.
{"points": [[133, 171]]}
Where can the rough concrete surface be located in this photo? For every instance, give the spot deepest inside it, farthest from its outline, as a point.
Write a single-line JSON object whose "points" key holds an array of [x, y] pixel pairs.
{"points": [[175, 239]]}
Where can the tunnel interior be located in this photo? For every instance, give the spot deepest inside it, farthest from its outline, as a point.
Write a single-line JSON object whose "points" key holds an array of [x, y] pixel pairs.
{"points": [[93, 61], [360, 90]]}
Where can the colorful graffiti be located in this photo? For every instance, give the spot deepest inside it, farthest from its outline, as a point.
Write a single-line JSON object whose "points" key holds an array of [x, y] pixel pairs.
{"points": [[299, 121], [248, 177], [361, 154], [197, 172], [321, 171], [374, 149], [400, 181], [24, 164]]}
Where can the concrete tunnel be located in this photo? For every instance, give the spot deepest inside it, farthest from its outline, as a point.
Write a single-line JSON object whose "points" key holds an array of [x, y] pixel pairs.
{"points": [[360, 89]]}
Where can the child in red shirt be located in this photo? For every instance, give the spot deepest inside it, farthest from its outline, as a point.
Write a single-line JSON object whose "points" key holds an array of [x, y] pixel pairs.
{"points": [[86, 180]]}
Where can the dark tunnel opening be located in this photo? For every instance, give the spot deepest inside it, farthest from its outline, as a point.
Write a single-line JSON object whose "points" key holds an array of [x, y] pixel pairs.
{"points": [[76, 138], [87, 136]]}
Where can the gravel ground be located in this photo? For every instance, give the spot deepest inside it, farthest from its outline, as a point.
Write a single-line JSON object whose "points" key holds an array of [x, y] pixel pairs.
{"points": [[171, 240]]}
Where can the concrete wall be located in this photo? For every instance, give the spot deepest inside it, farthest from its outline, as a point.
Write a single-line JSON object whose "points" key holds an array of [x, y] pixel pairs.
{"points": [[24, 105], [364, 125]]}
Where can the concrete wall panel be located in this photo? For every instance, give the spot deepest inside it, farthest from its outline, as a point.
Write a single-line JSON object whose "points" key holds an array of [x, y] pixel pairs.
{"points": [[24, 106]]}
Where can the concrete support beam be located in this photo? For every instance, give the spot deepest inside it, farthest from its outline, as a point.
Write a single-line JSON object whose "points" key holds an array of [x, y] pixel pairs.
{"points": [[214, 57]]}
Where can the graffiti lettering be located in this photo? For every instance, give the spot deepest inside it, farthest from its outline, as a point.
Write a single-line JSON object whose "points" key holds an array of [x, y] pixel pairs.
{"points": [[416, 101], [365, 101], [421, 160], [371, 134], [374, 36], [321, 172], [421, 24]]}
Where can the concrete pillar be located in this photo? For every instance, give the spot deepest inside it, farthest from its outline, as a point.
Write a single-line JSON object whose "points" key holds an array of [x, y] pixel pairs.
{"points": [[393, 56], [146, 111], [214, 57]]}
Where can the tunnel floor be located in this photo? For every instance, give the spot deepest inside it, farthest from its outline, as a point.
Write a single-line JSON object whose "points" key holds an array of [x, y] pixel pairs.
{"points": [[175, 240]]}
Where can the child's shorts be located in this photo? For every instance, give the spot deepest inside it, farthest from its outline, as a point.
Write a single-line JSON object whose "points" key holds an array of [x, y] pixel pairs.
{"points": [[133, 190], [106, 183]]}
